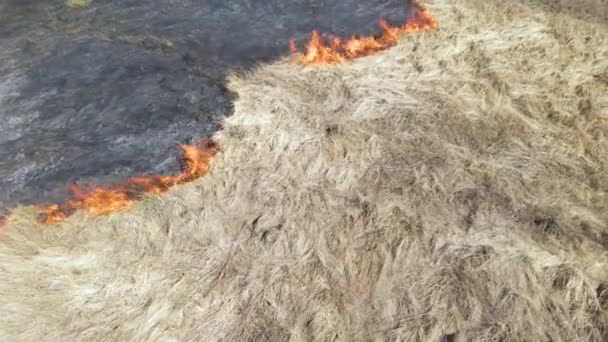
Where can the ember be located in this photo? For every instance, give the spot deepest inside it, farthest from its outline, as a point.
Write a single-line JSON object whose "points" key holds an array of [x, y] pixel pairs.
{"points": [[3, 220]]}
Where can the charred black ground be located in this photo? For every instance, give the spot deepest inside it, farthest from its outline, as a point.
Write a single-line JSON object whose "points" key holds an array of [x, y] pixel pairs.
{"points": [[110, 91]]}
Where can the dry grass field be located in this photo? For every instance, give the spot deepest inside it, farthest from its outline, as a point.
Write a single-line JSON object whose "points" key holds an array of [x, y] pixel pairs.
{"points": [[452, 188]]}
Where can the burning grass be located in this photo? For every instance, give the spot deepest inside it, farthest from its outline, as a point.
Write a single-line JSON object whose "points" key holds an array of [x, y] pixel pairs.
{"points": [[453, 190], [99, 200], [331, 49]]}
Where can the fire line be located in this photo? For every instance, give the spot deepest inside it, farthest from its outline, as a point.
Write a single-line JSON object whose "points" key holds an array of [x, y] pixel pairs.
{"points": [[99, 200], [333, 50]]}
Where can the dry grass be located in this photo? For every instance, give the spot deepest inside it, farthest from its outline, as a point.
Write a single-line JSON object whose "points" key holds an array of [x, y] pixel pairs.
{"points": [[78, 3], [453, 187]]}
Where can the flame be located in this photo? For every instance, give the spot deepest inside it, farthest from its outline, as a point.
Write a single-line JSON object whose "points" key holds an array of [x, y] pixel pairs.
{"points": [[104, 200], [98, 200], [334, 50]]}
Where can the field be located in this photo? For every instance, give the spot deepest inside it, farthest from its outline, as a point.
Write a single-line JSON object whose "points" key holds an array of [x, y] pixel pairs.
{"points": [[451, 188]]}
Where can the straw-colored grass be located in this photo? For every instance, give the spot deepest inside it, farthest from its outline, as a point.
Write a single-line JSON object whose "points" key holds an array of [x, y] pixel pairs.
{"points": [[78, 3], [454, 187]]}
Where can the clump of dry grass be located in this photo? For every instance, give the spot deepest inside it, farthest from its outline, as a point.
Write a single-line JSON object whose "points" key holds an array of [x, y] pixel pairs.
{"points": [[78, 3], [453, 187]]}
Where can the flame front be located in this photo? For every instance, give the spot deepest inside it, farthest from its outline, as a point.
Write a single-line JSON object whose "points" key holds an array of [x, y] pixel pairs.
{"points": [[319, 50], [104, 200], [333, 50]]}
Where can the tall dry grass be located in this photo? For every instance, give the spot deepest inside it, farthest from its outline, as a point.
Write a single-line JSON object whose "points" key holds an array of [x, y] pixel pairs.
{"points": [[453, 187]]}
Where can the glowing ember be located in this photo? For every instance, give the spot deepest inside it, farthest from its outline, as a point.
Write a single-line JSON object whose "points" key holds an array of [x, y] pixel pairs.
{"points": [[105, 200], [333, 50], [3, 220]]}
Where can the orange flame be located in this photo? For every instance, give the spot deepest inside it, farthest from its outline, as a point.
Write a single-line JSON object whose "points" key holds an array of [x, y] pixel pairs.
{"points": [[104, 200], [319, 51]]}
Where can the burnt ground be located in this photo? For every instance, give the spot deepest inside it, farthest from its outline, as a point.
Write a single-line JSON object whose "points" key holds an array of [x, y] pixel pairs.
{"points": [[109, 91]]}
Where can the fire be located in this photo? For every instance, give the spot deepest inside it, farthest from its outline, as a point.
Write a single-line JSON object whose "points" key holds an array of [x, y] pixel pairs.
{"points": [[104, 200], [98, 200], [333, 50]]}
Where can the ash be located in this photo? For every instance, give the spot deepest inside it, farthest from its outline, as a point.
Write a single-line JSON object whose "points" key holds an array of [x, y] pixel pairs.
{"points": [[101, 93]]}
